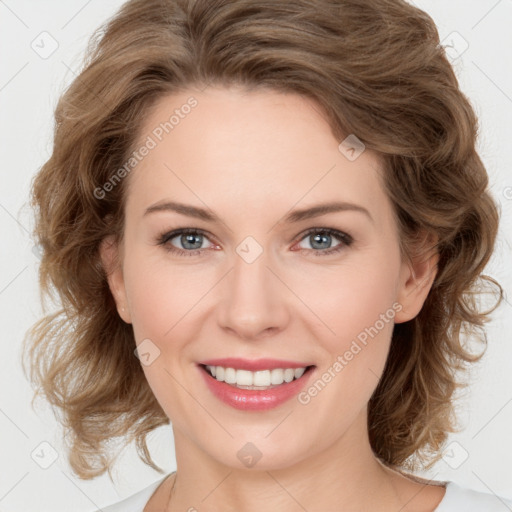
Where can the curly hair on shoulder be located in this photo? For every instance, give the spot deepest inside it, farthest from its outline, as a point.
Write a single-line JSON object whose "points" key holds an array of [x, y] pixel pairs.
{"points": [[376, 69]]}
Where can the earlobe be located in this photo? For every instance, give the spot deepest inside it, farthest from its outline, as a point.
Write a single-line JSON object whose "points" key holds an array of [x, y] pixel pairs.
{"points": [[416, 281], [110, 258]]}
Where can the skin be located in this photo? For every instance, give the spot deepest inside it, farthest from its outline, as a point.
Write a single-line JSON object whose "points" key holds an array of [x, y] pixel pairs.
{"points": [[251, 157]]}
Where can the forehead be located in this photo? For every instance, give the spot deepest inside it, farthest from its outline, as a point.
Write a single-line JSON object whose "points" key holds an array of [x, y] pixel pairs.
{"points": [[252, 150]]}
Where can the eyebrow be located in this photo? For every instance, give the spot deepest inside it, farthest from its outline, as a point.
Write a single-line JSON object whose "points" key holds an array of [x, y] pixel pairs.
{"points": [[292, 217]]}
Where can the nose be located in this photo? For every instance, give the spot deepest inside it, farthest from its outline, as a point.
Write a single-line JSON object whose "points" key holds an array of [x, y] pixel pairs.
{"points": [[253, 303]]}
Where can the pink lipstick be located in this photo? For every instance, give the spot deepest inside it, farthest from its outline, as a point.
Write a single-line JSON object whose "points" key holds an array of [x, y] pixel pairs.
{"points": [[265, 398]]}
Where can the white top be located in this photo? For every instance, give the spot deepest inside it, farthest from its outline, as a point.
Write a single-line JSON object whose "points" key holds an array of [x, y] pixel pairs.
{"points": [[456, 499]]}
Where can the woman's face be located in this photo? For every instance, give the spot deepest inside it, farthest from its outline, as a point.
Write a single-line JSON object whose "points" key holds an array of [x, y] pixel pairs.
{"points": [[254, 283]]}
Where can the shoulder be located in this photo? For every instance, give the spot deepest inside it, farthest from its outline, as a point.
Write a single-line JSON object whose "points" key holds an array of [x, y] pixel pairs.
{"points": [[462, 499], [136, 502]]}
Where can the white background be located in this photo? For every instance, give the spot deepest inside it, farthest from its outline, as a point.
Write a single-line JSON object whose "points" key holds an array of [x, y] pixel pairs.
{"points": [[29, 88]]}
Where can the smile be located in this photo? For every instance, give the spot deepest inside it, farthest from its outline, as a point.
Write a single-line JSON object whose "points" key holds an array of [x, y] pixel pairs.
{"points": [[258, 390]]}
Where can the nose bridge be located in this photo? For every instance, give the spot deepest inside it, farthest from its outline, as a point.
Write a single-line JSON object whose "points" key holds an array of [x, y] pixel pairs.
{"points": [[250, 273], [253, 299]]}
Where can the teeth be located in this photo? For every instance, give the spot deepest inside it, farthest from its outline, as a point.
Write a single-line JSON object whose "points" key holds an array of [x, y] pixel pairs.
{"points": [[255, 380]]}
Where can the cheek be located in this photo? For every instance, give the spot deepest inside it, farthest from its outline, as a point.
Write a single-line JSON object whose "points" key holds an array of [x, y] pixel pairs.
{"points": [[362, 318], [353, 301], [161, 294], [359, 307]]}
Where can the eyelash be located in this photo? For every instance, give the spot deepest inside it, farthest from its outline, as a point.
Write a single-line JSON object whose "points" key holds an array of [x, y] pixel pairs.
{"points": [[345, 239]]}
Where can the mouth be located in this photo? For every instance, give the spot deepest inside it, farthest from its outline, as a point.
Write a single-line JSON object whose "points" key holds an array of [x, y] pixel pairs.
{"points": [[258, 390]]}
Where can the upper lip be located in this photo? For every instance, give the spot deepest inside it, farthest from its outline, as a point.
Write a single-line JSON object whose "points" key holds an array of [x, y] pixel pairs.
{"points": [[253, 364]]}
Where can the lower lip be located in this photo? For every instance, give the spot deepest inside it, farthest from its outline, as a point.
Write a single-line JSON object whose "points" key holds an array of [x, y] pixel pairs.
{"points": [[255, 399]]}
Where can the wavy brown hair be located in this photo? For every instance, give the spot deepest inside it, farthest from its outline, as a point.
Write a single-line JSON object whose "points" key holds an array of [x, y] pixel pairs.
{"points": [[376, 69]]}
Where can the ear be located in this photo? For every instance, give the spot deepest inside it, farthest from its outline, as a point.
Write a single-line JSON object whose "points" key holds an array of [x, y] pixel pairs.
{"points": [[110, 255], [416, 279]]}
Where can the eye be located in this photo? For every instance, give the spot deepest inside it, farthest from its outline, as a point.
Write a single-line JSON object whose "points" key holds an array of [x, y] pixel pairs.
{"points": [[321, 237], [191, 241]]}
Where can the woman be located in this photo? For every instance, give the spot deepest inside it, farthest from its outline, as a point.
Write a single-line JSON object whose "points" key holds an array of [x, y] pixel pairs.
{"points": [[279, 209]]}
